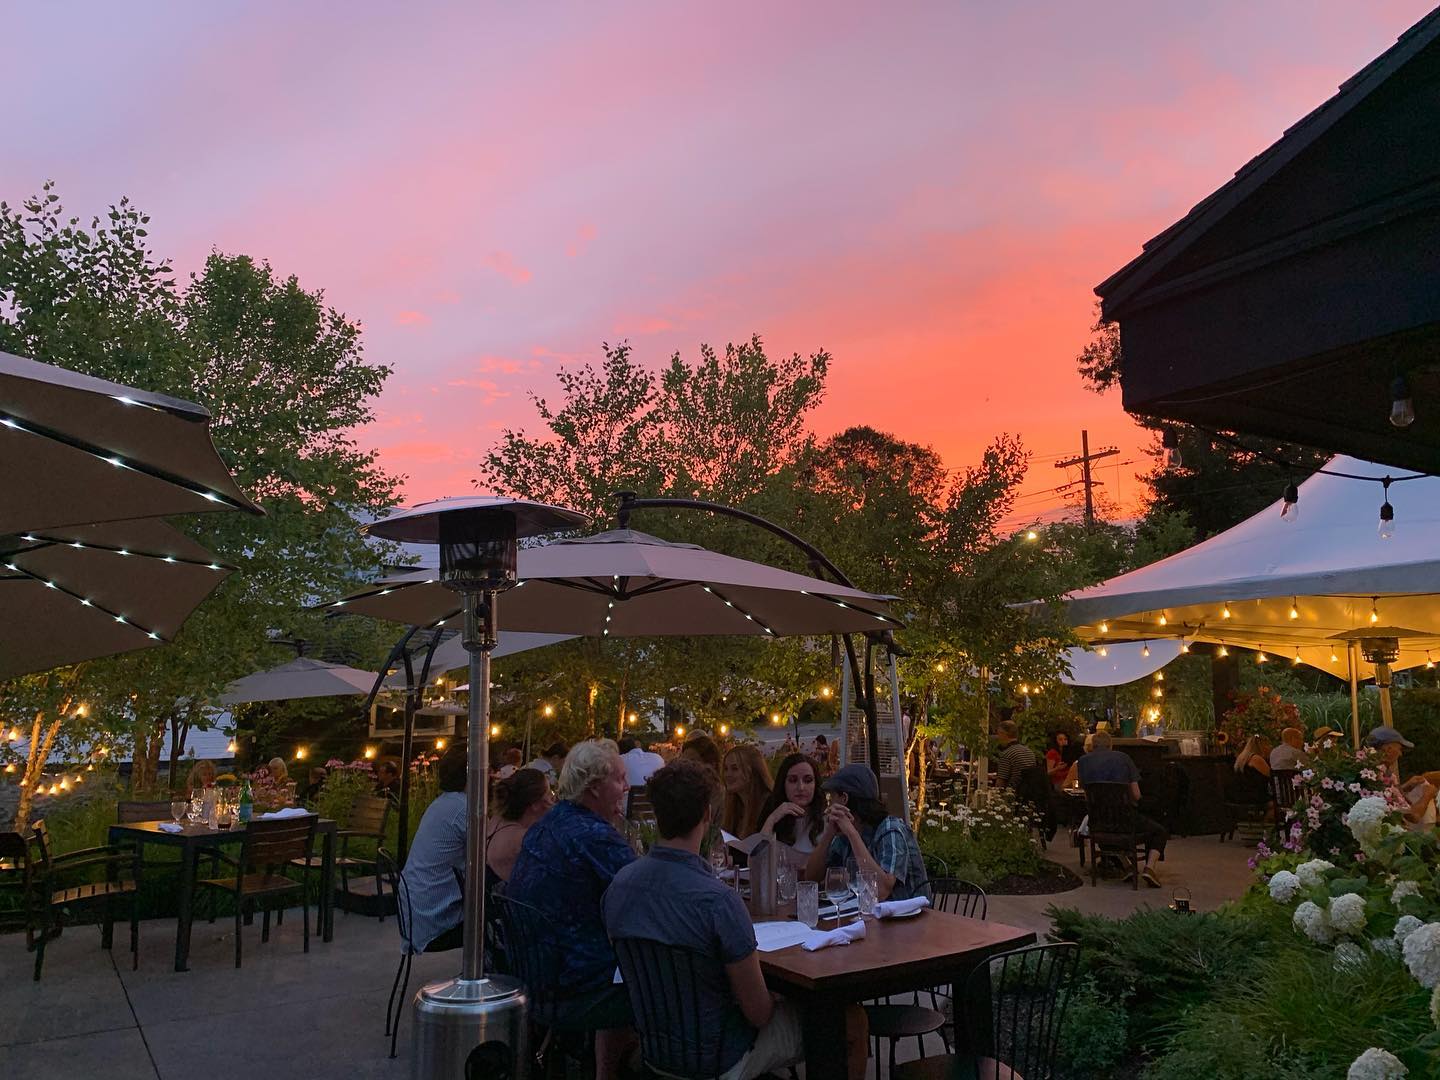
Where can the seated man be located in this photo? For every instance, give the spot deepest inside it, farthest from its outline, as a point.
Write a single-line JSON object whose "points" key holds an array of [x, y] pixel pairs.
{"points": [[1015, 757], [1104, 765], [566, 863], [860, 835], [436, 862], [673, 897], [1290, 754]]}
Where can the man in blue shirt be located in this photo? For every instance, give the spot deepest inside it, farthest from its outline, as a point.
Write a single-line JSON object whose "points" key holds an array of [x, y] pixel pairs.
{"points": [[860, 834], [566, 863], [673, 897], [1106, 765]]}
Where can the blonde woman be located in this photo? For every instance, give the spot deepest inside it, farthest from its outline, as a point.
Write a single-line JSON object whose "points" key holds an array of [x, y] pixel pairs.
{"points": [[747, 787], [279, 774], [202, 775]]}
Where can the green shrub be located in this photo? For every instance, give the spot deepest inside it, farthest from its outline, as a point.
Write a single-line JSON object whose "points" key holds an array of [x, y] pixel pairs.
{"points": [[981, 844], [1093, 1035], [1417, 717]]}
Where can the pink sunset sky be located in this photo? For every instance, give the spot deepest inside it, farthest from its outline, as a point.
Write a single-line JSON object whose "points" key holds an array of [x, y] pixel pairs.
{"points": [[928, 191]]}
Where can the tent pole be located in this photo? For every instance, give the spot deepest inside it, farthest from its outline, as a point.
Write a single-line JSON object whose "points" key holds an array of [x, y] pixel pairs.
{"points": [[1354, 648]]}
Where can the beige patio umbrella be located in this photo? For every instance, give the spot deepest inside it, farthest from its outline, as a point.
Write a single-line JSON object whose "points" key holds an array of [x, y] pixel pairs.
{"points": [[303, 677], [73, 594], [80, 450]]}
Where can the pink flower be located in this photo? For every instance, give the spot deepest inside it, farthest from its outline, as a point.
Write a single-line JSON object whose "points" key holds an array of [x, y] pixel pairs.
{"points": [[1368, 774], [1325, 782], [1359, 856], [1355, 789]]}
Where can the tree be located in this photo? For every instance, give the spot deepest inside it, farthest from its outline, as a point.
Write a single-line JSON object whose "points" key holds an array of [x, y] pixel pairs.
{"points": [[1223, 478], [284, 378]]}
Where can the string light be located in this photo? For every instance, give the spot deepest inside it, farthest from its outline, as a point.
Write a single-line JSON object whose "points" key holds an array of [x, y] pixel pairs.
{"points": [[1159, 676], [300, 753], [1260, 658], [633, 717], [825, 691], [369, 753], [1223, 650], [1031, 535], [1225, 611], [940, 668], [775, 718], [724, 730], [548, 711], [1024, 689], [1402, 405], [494, 734], [1104, 628], [1145, 651], [1184, 646], [230, 747], [1164, 620], [1333, 658], [1290, 505], [1294, 608], [1374, 613], [1297, 657], [1429, 663], [1158, 692], [679, 731], [1387, 514], [1103, 651]]}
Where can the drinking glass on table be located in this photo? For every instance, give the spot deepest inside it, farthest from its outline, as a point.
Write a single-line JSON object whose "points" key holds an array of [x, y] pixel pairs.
{"points": [[178, 809], [867, 892], [807, 903], [197, 807], [785, 881], [837, 887]]}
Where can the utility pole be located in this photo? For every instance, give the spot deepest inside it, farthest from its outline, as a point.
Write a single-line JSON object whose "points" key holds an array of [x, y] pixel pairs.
{"points": [[1086, 477]]}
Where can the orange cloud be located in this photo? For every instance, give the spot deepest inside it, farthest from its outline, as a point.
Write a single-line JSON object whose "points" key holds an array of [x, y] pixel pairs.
{"points": [[412, 318], [577, 247], [504, 264]]}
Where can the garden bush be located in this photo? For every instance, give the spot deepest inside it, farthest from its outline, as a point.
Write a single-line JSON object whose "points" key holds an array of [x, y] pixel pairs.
{"points": [[1417, 717], [1093, 1033], [982, 844]]}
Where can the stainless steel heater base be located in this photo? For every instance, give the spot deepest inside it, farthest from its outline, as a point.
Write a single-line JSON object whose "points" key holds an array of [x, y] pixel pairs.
{"points": [[470, 1029]]}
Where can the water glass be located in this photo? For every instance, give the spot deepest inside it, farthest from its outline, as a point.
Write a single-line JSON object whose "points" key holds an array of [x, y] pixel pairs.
{"points": [[178, 809], [807, 903], [867, 891], [785, 881], [197, 807]]}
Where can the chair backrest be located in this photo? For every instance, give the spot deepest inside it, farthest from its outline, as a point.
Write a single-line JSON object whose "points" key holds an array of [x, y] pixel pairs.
{"points": [[1283, 788], [368, 815], [959, 897], [639, 806], [273, 842], [129, 810], [935, 866], [533, 956], [1112, 813], [41, 848], [1027, 991], [1033, 786], [675, 994]]}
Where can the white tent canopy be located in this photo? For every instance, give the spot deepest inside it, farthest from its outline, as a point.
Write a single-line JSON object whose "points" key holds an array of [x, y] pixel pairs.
{"points": [[1288, 589], [1121, 663]]}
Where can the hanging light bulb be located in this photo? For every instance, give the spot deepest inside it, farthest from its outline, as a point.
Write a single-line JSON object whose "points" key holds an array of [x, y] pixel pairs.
{"points": [[1104, 627], [1290, 508], [1104, 651], [1294, 608], [1260, 658], [1164, 619], [1159, 676], [1145, 651], [1223, 651], [1374, 613], [1387, 514], [1184, 646], [1297, 657], [1333, 658], [1158, 692], [1170, 442], [1429, 661], [1225, 612], [230, 747], [1402, 405]]}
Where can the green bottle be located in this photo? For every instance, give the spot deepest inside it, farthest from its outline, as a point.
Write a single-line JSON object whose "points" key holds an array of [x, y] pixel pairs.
{"points": [[247, 802]]}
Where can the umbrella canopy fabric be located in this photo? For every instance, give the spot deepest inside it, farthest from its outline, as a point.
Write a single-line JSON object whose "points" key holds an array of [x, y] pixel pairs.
{"points": [[625, 583], [80, 450], [300, 678], [73, 594], [1122, 663], [451, 654], [1291, 589]]}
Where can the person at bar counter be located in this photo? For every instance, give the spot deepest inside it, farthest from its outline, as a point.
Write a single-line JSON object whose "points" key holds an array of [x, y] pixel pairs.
{"points": [[671, 896], [860, 834], [1291, 753], [1105, 765], [435, 864], [566, 862]]}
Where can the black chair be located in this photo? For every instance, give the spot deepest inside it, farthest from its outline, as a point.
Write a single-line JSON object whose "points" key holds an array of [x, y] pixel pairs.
{"points": [[1114, 828], [398, 889], [1014, 1006], [269, 846], [671, 989], [44, 895], [935, 866], [1032, 790], [537, 961], [368, 819], [1284, 790]]}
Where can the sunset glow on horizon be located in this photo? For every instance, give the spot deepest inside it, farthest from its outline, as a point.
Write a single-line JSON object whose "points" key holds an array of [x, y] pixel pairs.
{"points": [[929, 192]]}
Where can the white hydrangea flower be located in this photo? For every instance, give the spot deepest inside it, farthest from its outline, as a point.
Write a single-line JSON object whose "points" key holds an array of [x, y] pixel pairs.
{"points": [[1377, 1064], [1283, 886], [1404, 889], [1387, 946], [1348, 955], [1312, 873], [1422, 954], [1366, 817], [1405, 926], [1347, 913], [1312, 921]]}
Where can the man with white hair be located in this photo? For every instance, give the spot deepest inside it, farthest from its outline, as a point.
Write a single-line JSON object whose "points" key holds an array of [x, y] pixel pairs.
{"points": [[566, 863]]}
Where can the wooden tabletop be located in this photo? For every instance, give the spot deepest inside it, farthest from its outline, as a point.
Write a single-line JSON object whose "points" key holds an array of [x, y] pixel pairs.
{"points": [[901, 953], [193, 829]]}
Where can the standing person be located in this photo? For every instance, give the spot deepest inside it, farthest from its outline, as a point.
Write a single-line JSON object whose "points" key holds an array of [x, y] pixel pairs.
{"points": [[671, 896], [820, 748], [1014, 758], [640, 764], [860, 835], [1291, 753], [794, 814], [551, 761], [1104, 765], [747, 786], [521, 799], [566, 862], [435, 864]]}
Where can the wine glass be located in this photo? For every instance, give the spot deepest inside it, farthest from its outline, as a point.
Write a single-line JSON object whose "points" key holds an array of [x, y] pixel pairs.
{"points": [[178, 809], [837, 887]]}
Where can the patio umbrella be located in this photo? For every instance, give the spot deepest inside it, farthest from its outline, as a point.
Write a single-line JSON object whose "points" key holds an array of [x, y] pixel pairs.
{"points": [[80, 450], [625, 583], [302, 677], [73, 594], [451, 654]]}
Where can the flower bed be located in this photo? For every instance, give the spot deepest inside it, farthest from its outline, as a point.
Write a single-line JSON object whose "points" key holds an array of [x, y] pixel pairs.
{"points": [[983, 843]]}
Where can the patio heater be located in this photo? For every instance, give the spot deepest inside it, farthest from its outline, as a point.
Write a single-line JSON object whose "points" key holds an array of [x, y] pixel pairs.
{"points": [[474, 1025]]}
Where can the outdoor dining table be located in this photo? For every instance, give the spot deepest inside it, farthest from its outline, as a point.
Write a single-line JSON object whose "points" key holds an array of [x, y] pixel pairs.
{"points": [[895, 956], [194, 838]]}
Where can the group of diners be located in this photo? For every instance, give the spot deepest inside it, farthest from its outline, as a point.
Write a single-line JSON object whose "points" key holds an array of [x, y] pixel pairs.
{"points": [[563, 852]]}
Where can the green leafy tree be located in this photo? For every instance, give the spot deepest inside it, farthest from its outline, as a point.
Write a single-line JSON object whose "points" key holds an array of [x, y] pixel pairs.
{"points": [[285, 380]]}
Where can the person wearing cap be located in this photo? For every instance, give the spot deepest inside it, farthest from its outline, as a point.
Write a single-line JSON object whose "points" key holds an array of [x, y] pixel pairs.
{"points": [[860, 835], [1418, 791], [1324, 737]]}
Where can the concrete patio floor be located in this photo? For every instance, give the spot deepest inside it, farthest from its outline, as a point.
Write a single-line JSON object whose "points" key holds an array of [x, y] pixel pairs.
{"points": [[287, 1014]]}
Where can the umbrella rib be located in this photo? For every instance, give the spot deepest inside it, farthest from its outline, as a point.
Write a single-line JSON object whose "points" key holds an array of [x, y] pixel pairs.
{"points": [[853, 607], [84, 601], [587, 585], [731, 604], [152, 471], [368, 593], [42, 542]]}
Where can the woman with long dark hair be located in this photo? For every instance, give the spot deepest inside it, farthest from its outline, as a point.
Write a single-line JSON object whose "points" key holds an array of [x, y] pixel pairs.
{"points": [[794, 813], [522, 799]]}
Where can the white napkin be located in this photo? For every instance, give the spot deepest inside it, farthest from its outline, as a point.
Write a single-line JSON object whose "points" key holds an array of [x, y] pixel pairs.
{"points": [[823, 939], [888, 909], [170, 826], [774, 936], [289, 811]]}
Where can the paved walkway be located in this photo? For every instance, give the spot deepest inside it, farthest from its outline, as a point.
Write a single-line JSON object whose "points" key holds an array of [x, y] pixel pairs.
{"points": [[287, 1015]]}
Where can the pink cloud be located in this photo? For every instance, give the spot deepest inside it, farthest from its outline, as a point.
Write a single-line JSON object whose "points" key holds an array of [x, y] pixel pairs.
{"points": [[577, 247], [504, 264], [447, 296], [491, 389], [412, 318], [642, 325]]}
